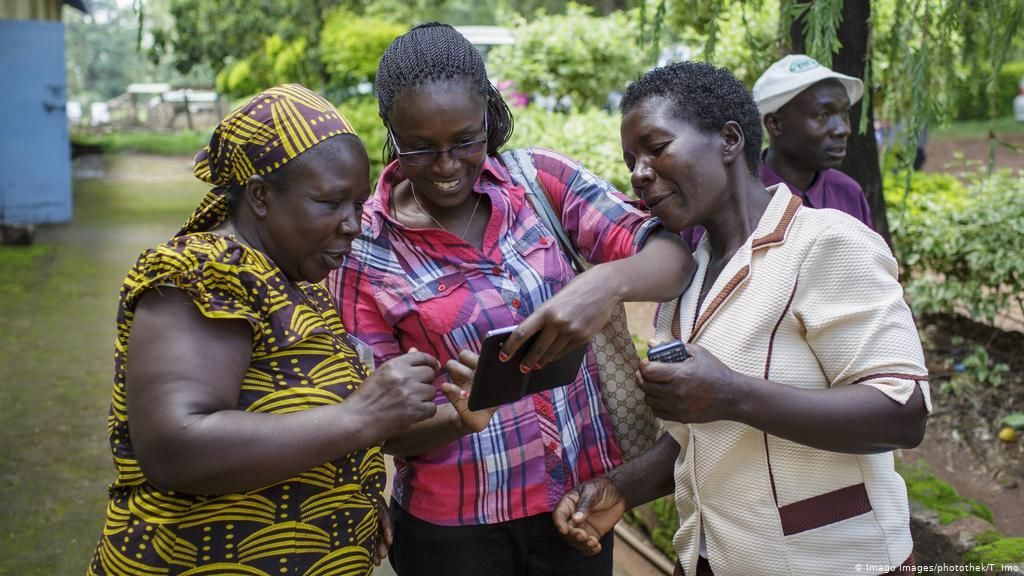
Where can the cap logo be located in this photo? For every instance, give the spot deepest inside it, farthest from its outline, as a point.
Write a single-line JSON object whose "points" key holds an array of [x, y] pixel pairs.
{"points": [[803, 64]]}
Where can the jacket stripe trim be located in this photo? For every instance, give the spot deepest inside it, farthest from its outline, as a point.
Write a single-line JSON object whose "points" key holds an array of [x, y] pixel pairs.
{"points": [[779, 234], [824, 509], [720, 299]]}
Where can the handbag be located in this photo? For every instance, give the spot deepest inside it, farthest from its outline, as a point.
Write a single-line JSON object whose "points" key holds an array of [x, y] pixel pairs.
{"points": [[636, 429]]}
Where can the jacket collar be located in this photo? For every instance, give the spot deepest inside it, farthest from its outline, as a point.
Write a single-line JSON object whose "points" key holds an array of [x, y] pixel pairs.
{"points": [[771, 230]]}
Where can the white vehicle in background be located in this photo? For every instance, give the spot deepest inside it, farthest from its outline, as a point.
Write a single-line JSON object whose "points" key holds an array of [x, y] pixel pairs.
{"points": [[1018, 103]]}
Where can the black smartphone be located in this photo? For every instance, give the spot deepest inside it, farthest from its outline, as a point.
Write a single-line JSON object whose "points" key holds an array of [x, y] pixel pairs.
{"points": [[674, 351], [497, 382]]}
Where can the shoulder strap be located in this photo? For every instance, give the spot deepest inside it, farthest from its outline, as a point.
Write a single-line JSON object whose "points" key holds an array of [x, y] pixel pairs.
{"points": [[523, 171]]}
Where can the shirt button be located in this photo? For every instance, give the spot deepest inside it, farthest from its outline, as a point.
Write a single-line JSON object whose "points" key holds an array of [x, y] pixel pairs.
{"points": [[516, 302], [496, 270], [545, 241], [553, 446], [442, 287]]}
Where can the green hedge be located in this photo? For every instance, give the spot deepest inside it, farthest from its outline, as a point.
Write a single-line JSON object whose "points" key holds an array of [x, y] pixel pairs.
{"points": [[592, 137], [972, 101], [960, 246]]}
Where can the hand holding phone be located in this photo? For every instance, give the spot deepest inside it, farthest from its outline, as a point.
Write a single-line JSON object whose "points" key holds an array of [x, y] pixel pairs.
{"points": [[674, 351]]}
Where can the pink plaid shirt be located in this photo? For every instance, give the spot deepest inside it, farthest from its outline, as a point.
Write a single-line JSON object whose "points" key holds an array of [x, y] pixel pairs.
{"points": [[426, 288]]}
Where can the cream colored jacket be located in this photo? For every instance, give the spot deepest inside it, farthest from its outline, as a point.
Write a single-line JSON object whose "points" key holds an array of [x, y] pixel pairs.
{"points": [[811, 300]]}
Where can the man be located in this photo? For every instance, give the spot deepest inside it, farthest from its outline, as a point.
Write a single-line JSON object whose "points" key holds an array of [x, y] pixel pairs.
{"points": [[805, 109]]}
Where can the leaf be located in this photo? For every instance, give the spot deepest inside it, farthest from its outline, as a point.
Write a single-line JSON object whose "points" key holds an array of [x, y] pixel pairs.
{"points": [[1014, 420]]}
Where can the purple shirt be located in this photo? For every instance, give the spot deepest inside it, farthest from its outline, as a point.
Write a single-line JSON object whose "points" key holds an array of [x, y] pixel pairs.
{"points": [[829, 189]]}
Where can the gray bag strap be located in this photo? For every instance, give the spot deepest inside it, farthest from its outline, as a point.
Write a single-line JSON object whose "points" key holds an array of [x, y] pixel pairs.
{"points": [[523, 171]]}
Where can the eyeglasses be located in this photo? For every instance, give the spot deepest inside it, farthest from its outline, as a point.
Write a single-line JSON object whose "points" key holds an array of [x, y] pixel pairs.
{"points": [[426, 157]]}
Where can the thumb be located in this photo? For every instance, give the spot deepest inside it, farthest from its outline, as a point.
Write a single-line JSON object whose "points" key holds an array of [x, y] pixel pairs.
{"points": [[584, 504], [658, 371]]}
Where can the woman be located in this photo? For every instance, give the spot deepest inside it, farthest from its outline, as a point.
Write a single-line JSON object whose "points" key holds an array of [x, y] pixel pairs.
{"points": [[245, 429], [450, 250], [806, 368]]}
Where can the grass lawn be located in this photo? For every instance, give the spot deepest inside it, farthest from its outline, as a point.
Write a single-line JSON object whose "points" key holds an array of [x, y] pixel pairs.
{"points": [[979, 128], [58, 300]]}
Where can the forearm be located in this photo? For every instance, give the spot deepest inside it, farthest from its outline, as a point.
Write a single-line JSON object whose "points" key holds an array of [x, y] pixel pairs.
{"points": [[854, 419], [660, 271], [649, 476], [234, 451], [443, 429]]}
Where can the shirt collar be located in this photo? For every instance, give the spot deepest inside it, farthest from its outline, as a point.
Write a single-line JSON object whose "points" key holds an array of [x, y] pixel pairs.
{"points": [[378, 208]]}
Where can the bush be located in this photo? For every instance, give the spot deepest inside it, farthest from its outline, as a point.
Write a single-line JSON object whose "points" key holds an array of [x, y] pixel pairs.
{"points": [[961, 247], [576, 55], [351, 47], [277, 62], [592, 137], [972, 101], [361, 111]]}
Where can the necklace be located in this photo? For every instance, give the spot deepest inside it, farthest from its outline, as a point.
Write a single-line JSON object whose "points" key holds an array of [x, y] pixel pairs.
{"points": [[443, 227]]}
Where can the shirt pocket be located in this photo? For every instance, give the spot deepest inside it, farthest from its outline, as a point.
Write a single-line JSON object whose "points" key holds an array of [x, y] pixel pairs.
{"points": [[542, 257], [443, 302]]}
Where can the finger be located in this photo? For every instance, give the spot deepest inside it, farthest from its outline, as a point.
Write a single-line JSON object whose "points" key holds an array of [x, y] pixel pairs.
{"points": [[460, 374], [455, 394], [520, 335], [417, 358], [387, 523], [469, 358], [564, 511], [583, 506], [659, 371], [559, 348], [541, 344]]}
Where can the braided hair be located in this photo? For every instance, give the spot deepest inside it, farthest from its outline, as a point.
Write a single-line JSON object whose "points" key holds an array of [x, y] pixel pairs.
{"points": [[705, 96], [436, 52]]}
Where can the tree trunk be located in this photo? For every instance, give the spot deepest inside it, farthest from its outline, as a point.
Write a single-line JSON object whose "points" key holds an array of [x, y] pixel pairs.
{"points": [[861, 148]]}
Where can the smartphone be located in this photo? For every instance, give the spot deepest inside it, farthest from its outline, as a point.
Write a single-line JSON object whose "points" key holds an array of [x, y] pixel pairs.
{"points": [[497, 382], [674, 351]]}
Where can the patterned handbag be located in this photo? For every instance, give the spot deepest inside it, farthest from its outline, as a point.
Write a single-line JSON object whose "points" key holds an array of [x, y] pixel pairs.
{"points": [[636, 428]]}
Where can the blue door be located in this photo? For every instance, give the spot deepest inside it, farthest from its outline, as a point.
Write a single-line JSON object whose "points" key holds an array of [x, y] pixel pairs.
{"points": [[35, 156]]}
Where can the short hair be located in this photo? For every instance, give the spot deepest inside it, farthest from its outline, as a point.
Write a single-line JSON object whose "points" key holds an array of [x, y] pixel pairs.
{"points": [[707, 97], [331, 147], [437, 52]]}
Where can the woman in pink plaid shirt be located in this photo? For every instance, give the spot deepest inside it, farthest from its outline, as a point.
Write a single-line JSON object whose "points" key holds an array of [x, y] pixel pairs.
{"points": [[451, 249]]}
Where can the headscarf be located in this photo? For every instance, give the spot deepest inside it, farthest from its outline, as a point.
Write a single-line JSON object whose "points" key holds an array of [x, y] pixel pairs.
{"points": [[257, 138]]}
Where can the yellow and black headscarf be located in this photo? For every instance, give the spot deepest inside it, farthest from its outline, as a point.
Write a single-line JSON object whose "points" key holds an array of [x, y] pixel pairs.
{"points": [[257, 138]]}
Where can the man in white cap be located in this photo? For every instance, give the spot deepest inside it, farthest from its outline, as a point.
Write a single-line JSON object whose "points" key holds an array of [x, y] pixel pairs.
{"points": [[805, 108]]}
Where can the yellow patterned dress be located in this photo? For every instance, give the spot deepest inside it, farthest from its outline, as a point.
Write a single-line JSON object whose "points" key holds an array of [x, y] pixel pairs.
{"points": [[322, 522]]}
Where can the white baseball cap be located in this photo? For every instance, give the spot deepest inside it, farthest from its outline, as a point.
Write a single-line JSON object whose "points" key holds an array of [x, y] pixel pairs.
{"points": [[783, 80]]}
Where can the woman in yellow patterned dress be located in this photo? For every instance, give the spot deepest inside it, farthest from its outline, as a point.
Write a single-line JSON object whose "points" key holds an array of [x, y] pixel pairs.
{"points": [[245, 430]]}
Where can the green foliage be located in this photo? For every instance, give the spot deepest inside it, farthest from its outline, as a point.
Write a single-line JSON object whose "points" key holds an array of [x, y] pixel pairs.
{"points": [[277, 62], [1014, 420], [590, 136], [351, 46], [998, 551], [659, 520], [741, 38], [576, 55], [362, 113], [973, 104], [183, 143], [936, 495], [961, 248], [975, 368]]}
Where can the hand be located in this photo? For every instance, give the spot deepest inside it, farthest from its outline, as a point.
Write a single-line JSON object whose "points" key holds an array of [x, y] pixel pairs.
{"points": [[698, 389], [457, 391], [385, 532], [400, 392], [567, 320], [588, 512]]}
